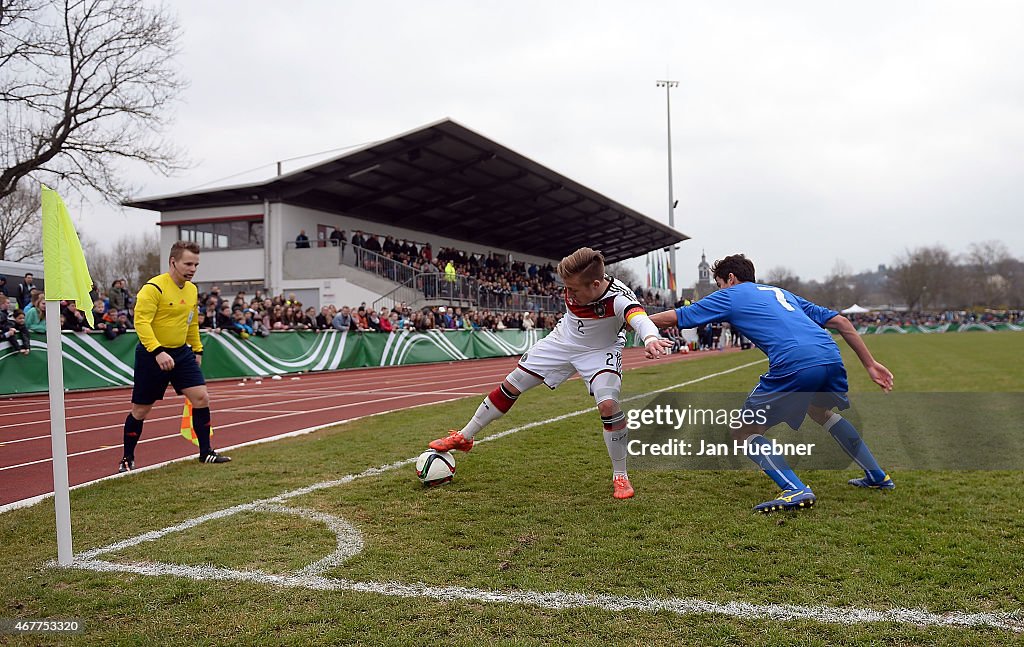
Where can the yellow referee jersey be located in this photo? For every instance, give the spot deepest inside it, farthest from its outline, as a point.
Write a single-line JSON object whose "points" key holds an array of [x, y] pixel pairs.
{"points": [[165, 315]]}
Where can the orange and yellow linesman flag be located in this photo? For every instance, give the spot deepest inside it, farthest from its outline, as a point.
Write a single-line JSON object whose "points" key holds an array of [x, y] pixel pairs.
{"points": [[187, 430], [67, 274]]}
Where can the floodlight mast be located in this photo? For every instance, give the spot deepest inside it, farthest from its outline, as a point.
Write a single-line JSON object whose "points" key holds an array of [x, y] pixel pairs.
{"points": [[668, 85]]}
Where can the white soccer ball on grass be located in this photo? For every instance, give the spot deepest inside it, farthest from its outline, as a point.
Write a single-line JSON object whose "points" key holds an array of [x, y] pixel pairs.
{"points": [[435, 468]]}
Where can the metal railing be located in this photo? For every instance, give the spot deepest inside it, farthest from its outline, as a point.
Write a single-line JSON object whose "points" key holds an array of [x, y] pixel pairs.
{"points": [[433, 286]]}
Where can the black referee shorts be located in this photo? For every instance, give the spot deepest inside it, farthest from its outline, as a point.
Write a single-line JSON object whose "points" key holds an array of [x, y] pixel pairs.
{"points": [[151, 381]]}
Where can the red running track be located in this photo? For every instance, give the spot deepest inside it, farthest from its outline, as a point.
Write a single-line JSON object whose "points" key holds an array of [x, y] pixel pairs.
{"points": [[241, 414]]}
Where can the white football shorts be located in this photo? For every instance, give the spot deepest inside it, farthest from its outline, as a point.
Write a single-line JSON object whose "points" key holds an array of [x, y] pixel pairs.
{"points": [[555, 361]]}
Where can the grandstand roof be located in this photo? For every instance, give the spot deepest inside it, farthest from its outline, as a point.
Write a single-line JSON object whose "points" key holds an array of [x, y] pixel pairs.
{"points": [[446, 179]]}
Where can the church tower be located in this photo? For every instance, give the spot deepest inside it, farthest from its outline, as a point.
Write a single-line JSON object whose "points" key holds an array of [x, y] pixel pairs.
{"points": [[704, 285]]}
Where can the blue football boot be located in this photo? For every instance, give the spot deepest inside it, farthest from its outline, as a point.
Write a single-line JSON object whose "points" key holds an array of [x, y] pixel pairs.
{"points": [[866, 482], [788, 500]]}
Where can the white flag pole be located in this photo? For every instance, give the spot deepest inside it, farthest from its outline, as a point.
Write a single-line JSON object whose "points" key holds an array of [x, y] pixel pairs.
{"points": [[58, 433]]}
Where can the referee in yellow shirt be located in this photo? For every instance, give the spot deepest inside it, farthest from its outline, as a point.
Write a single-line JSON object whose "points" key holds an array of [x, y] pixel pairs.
{"points": [[169, 351]]}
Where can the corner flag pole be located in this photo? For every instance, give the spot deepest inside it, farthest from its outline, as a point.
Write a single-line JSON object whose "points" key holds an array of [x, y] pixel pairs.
{"points": [[67, 278], [58, 431]]}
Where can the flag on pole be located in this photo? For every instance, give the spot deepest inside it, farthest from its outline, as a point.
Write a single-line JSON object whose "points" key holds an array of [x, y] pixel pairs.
{"points": [[671, 276], [67, 274], [187, 430], [67, 277], [647, 261]]}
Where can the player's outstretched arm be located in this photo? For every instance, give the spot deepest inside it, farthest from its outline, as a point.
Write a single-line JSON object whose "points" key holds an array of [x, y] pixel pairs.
{"points": [[878, 373], [664, 319], [654, 345]]}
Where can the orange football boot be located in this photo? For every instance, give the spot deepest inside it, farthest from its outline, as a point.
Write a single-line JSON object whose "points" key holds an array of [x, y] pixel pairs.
{"points": [[454, 440]]}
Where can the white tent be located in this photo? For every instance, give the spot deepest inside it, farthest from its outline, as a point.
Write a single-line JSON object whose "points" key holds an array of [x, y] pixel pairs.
{"points": [[855, 310]]}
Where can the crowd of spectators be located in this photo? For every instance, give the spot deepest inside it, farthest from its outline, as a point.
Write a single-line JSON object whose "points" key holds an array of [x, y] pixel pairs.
{"points": [[261, 315], [24, 310], [891, 318], [489, 279]]}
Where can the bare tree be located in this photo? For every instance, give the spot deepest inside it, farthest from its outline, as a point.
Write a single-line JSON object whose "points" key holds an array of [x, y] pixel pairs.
{"points": [[990, 268], [21, 236], [85, 85], [839, 290], [783, 277], [923, 277], [134, 258]]}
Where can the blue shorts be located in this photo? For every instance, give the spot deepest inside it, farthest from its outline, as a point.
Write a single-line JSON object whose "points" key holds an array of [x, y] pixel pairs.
{"points": [[151, 381], [785, 397]]}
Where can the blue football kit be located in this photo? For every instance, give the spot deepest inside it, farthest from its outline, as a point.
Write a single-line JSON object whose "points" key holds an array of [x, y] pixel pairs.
{"points": [[804, 368], [804, 364]]}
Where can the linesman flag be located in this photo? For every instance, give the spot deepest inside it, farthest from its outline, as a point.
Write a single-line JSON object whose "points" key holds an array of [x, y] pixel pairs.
{"points": [[67, 274], [187, 430]]}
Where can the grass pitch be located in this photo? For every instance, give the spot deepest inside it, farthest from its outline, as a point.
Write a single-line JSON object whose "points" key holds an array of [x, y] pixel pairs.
{"points": [[533, 512]]}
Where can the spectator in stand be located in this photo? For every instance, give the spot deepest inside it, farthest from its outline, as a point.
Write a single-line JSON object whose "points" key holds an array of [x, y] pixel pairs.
{"points": [[35, 317], [215, 293], [239, 325], [12, 327], [360, 319], [275, 320], [119, 326], [338, 238], [343, 321], [323, 320], [528, 323], [119, 296], [206, 319], [73, 319], [24, 295], [5, 311], [385, 321], [99, 315], [224, 320], [302, 240], [288, 318], [425, 322], [373, 244], [373, 322], [306, 320], [3, 286]]}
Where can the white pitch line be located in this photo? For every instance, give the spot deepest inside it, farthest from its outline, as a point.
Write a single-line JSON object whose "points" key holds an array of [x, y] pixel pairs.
{"points": [[1013, 621], [560, 600]]}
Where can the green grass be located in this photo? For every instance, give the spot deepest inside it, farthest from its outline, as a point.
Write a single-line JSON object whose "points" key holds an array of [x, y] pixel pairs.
{"points": [[532, 512]]}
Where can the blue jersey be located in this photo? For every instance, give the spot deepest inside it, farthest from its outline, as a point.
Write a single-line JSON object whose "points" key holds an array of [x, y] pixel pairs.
{"points": [[788, 328]]}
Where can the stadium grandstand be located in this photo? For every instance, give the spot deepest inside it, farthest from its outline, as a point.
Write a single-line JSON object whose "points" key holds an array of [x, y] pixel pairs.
{"points": [[437, 216]]}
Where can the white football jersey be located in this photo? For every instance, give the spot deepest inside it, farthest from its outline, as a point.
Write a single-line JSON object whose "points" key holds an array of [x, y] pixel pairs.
{"points": [[599, 323]]}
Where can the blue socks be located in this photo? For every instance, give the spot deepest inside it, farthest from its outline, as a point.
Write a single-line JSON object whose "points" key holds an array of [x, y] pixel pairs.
{"points": [[848, 438], [774, 466]]}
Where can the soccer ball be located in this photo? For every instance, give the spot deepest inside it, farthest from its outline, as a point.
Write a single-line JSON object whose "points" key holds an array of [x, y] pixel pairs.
{"points": [[435, 468]]}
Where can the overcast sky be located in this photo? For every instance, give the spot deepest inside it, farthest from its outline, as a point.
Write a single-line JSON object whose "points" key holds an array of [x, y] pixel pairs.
{"points": [[802, 132]]}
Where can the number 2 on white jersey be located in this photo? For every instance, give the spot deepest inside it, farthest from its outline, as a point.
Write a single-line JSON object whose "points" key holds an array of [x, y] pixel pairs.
{"points": [[779, 296]]}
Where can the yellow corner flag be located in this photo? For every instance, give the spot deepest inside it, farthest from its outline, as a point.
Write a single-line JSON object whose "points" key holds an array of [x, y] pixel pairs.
{"points": [[187, 430], [67, 274]]}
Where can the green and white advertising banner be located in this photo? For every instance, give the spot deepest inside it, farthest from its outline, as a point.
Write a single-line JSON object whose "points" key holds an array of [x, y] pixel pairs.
{"points": [[948, 327], [93, 361]]}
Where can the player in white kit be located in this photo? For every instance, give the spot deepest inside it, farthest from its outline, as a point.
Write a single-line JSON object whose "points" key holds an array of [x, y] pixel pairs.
{"points": [[588, 340]]}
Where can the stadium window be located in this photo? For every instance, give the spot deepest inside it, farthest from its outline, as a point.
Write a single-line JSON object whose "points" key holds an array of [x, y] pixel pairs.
{"points": [[236, 234]]}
